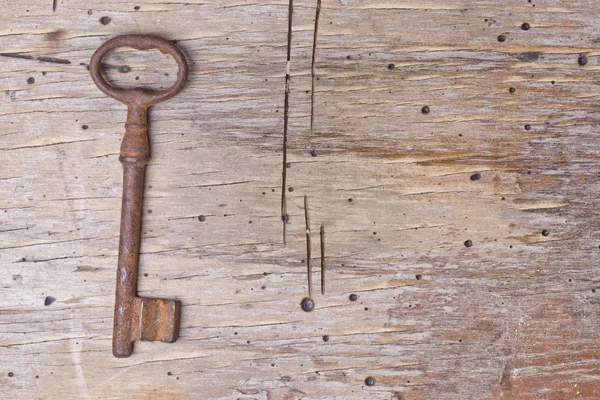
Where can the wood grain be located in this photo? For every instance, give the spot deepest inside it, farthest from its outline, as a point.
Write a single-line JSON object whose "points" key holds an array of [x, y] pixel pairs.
{"points": [[511, 317]]}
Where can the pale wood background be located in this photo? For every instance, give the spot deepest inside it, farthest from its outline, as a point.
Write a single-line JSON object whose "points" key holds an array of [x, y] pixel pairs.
{"points": [[513, 317]]}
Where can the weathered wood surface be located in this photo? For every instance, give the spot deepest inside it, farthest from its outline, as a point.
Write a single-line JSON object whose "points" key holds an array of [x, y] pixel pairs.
{"points": [[514, 316]]}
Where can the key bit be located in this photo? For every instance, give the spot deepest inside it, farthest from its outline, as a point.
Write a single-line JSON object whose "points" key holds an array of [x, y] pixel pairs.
{"points": [[137, 318]]}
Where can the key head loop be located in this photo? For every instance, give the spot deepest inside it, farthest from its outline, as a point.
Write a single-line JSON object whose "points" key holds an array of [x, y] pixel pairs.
{"points": [[139, 96]]}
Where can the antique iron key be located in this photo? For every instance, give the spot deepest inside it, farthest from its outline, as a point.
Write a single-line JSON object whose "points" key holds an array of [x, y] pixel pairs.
{"points": [[137, 318]]}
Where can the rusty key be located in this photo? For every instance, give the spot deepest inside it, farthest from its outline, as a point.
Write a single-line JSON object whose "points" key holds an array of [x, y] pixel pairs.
{"points": [[137, 318]]}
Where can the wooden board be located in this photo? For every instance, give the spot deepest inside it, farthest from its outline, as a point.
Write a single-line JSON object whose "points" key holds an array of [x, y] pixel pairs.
{"points": [[514, 316]]}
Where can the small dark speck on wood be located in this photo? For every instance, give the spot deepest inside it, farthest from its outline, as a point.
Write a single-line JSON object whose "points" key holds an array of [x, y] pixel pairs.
{"points": [[370, 381], [468, 243], [582, 60], [105, 20], [425, 110], [476, 176], [31, 80], [502, 38], [525, 26], [307, 304], [48, 300]]}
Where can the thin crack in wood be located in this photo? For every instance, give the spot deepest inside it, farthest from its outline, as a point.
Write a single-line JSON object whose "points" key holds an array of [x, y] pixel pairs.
{"points": [[322, 235], [312, 68], [308, 246], [286, 112]]}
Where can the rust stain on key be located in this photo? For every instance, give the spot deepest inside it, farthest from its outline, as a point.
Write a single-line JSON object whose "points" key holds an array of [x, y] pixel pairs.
{"points": [[137, 318]]}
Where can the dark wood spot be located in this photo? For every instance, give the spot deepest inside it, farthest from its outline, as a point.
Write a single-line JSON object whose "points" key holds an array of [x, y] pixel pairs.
{"points": [[529, 56], [307, 304]]}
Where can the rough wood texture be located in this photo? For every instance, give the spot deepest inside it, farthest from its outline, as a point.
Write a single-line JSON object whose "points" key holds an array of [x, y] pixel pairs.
{"points": [[512, 317]]}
